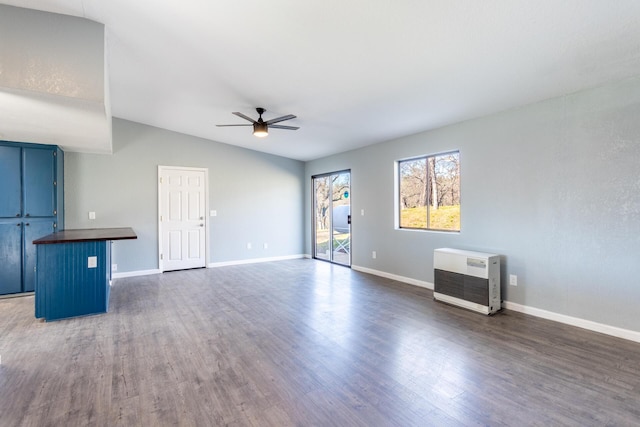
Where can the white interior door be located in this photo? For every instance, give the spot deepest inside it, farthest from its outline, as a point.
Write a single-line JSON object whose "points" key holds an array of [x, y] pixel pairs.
{"points": [[183, 227]]}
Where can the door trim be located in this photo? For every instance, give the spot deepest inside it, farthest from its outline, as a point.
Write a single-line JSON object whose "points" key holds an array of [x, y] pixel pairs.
{"points": [[161, 169]]}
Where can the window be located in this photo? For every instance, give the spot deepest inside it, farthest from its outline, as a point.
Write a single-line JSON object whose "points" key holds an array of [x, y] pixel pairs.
{"points": [[429, 192]]}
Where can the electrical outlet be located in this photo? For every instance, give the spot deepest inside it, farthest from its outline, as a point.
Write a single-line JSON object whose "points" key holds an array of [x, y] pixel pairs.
{"points": [[249, 245], [92, 215], [265, 246], [92, 262], [362, 212], [213, 213], [374, 255], [114, 267], [513, 280]]}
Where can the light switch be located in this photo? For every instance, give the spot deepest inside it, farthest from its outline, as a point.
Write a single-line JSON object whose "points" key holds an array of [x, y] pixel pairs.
{"points": [[92, 262], [213, 213]]}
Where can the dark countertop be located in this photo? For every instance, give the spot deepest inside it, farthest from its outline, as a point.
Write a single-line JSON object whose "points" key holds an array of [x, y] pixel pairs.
{"points": [[87, 235]]}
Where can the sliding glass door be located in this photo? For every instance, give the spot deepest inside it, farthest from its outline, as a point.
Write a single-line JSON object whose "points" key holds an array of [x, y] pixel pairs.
{"points": [[332, 217]]}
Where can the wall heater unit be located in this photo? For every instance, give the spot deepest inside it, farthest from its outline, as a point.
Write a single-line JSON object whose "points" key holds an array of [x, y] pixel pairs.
{"points": [[467, 279]]}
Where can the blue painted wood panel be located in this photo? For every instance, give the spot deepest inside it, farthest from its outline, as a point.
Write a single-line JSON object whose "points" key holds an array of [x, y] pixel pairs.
{"points": [[10, 256], [65, 285], [39, 177], [11, 179], [34, 228], [59, 189]]}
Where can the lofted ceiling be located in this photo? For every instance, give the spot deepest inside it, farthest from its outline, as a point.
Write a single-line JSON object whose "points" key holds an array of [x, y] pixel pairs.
{"points": [[354, 72]]}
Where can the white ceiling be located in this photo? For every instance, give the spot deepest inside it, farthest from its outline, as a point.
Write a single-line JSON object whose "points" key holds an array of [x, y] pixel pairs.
{"points": [[354, 72]]}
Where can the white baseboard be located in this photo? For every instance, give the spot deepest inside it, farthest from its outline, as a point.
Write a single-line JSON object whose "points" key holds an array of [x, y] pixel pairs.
{"points": [[210, 265], [254, 260], [134, 273], [574, 321], [403, 279], [537, 312]]}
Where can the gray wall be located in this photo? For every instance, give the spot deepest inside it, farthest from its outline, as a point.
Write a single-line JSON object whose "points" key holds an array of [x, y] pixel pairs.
{"points": [[554, 187], [259, 197]]}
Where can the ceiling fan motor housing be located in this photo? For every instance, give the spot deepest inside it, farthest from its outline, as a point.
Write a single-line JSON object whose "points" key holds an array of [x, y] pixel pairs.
{"points": [[260, 129]]}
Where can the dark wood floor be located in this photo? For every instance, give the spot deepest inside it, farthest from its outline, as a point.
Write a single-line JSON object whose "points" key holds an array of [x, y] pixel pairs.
{"points": [[304, 343]]}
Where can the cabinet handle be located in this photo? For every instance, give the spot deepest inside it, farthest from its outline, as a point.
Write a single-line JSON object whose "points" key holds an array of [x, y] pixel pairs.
{"points": [[18, 225], [27, 224], [17, 215], [27, 215]]}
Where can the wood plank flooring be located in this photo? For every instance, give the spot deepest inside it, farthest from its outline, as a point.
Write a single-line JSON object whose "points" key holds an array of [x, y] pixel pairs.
{"points": [[304, 343]]}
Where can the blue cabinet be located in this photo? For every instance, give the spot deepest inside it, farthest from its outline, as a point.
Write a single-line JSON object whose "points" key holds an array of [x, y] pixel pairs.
{"points": [[10, 256], [10, 177], [31, 206], [39, 183], [33, 229]]}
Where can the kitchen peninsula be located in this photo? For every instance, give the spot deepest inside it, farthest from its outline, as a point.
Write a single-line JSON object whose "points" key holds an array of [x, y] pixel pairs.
{"points": [[73, 271]]}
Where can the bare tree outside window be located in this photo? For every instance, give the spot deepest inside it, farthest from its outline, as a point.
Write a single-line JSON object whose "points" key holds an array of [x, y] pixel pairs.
{"points": [[430, 192]]}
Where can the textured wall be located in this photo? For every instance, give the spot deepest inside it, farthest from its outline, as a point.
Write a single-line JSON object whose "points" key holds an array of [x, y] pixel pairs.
{"points": [[53, 80], [258, 196], [552, 186], [50, 53]]}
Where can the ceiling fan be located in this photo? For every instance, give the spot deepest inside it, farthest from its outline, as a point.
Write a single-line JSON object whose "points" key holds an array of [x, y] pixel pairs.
{"points": [[261, 127]]}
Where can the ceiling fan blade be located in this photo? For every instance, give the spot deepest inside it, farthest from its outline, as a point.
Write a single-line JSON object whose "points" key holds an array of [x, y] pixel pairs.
{"points": [[220, 126], [244, 117], [280, 119], [283, 127]]}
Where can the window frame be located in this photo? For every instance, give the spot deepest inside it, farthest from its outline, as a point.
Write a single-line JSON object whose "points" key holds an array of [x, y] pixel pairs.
{"points": [[398, 193]]}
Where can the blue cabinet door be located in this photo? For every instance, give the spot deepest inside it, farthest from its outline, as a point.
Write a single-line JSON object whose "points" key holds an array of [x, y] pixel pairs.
{"points": [[39, 178], [10, 256], [33, 229], [10, 177]]}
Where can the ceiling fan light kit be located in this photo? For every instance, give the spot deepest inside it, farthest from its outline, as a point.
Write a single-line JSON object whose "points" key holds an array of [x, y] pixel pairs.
{"points": [[260, 130], [261, 127]]}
